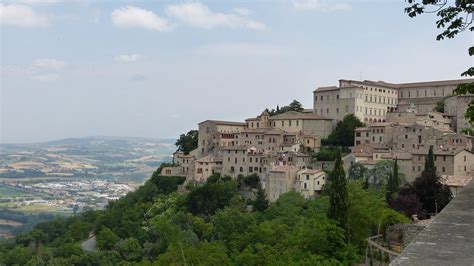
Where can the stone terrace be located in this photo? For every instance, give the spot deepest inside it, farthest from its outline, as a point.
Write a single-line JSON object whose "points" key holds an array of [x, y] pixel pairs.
{"points": [[449, 240]]}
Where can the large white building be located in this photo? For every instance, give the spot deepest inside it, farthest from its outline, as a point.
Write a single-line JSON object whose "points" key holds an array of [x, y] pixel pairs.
{"points": [[370, 101]]}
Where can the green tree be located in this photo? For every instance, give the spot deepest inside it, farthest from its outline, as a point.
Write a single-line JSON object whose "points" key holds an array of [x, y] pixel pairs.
{"points": [[205, 200], [439, 107], [188, 142], [295, 106], [454, 17], [343, 134], [429, 162], [393, 183], [231, 226], [338, 197], [129, 249], [430, 191], [357, 171], [261, 202], [106, 238]]}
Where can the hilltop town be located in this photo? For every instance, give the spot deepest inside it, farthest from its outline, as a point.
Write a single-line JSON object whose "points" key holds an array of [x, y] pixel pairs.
{"points": [[401, 121]]}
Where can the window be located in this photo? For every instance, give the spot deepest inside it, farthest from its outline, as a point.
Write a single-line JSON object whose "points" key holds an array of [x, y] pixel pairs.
{"points": [[337, 110], [290, 123], [337, 96], [307, 177], [327, 111], [305, 186], [321, 97], [444, 169], [241, 169], [282, 123]]}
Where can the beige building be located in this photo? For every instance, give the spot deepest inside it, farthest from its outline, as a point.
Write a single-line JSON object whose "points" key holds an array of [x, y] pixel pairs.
{"points": [[241, 160], [205, 167], [457, 106], [448, 161], [310, 124], [214, 134], [425, 95], [368, 101], [310, 182], [371, 100], [279, 180]]}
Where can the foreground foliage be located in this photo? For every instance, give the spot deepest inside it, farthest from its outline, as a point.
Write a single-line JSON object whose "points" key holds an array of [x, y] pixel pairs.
{"points": [[210, 225]]}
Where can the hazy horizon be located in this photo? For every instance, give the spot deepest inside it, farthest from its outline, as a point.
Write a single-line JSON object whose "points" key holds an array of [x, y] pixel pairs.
{"points": [[154, 69]]}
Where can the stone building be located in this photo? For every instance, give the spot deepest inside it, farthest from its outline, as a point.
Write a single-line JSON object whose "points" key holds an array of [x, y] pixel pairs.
{"points": [[457, 106], [214, 134], [280, 179], [366, 100], [370, 101], [310, 182]]}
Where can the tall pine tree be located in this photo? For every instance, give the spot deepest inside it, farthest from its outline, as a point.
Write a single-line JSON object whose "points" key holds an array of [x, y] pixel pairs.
{"points": [[393, 183], [428, 188], [338, 195], [429, 162], [261, 203]]}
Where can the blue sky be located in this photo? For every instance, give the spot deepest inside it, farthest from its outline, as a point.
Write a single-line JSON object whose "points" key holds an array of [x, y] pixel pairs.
{"points": [[157, 68]]}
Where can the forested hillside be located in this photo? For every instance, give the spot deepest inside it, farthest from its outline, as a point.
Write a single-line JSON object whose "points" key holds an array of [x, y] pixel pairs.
{"points": [[210, 225]]}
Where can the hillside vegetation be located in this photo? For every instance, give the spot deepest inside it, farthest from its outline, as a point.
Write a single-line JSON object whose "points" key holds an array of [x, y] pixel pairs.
{"points": [[210, 225]]}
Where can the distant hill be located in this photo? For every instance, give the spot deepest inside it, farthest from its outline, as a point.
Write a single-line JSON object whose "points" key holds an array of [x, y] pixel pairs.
{"points": [[101, 156]]}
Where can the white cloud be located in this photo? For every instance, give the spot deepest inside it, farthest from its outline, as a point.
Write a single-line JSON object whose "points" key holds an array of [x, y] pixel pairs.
{"points": [[200, 16], [320, 6], [46, 77], [242, 11], [126, 58], [43, 69], [48, 63], [134, 17], [241, 49], [22, 16]]}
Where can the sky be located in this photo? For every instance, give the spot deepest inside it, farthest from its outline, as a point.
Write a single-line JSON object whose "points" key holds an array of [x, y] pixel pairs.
{"points": [[72, 68]]}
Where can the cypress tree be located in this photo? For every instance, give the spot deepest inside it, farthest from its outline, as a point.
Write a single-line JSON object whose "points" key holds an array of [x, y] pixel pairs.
{"points": [[338, 195], [261, 203], [393, 183], [395, 178], [429, 162]]}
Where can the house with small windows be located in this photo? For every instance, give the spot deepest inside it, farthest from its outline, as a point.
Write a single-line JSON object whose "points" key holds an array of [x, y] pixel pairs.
{"points": [[310, 182], [448, 161]]}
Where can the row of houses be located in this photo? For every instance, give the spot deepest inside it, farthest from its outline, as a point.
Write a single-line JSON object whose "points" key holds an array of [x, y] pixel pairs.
{"points": [[276, 148]]}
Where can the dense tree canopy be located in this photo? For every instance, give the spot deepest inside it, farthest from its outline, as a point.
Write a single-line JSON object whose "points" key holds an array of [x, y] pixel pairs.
{"points": [[188, 142], [343, 134], [211, 225]]}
